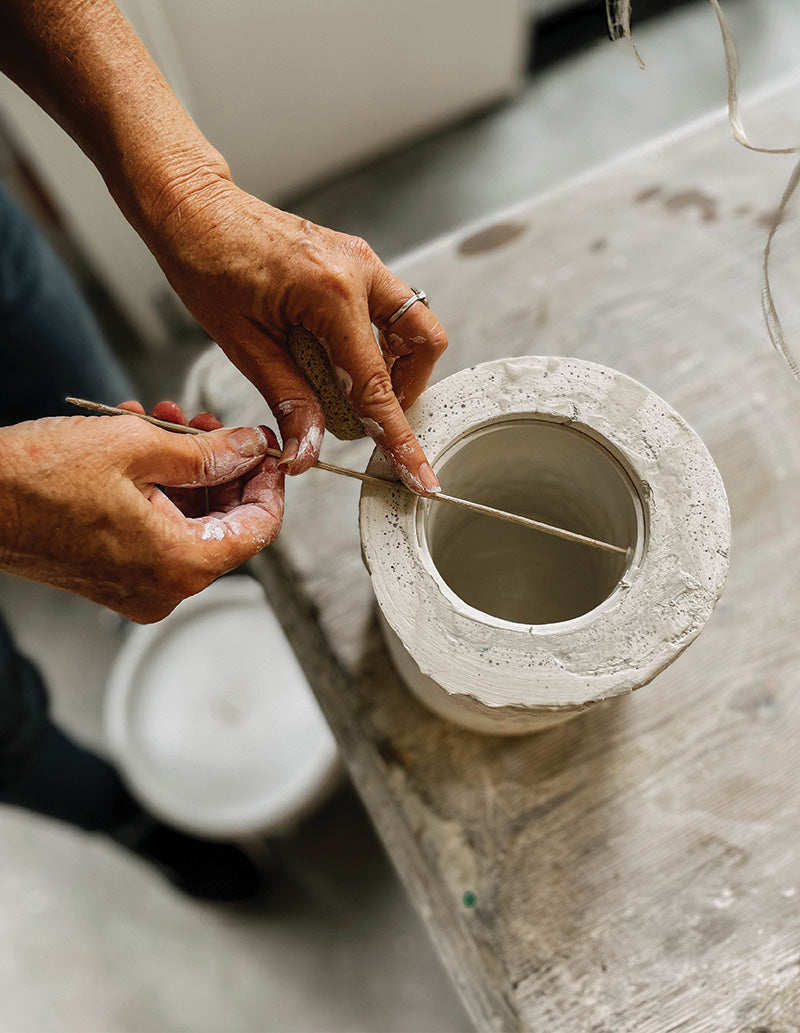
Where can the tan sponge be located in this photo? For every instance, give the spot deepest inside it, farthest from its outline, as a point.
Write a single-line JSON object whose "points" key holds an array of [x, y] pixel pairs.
{"points": [[340, 417]]}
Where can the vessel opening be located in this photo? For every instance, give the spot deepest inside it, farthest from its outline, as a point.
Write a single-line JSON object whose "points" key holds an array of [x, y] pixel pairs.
{"points": [[560, 474]]}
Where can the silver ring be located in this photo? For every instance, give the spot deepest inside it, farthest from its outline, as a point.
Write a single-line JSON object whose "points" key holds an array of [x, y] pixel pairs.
{"points": [[415, 297]]}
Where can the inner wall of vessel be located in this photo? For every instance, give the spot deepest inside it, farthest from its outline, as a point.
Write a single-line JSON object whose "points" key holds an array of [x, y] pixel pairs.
{"points": [[552, 472]]}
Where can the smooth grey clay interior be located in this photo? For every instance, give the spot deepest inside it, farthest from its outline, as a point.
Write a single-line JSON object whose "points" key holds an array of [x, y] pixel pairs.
{"points": [[552, 472]]}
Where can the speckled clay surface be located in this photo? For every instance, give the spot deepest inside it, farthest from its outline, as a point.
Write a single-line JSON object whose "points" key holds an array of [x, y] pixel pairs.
{"points": [[512, 679]]}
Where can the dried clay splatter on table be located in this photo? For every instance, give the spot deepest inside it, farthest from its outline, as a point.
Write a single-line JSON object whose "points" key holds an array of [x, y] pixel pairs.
{"points": [[618, 13]]}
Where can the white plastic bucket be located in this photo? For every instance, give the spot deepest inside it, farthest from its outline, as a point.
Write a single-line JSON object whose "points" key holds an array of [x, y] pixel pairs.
{"points": [[212, 721]]}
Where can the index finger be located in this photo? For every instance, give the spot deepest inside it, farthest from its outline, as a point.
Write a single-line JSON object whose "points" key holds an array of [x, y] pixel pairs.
{"points": [[353, 347]]}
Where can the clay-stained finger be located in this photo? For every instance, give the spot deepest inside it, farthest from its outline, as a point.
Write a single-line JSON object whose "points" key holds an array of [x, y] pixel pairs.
{"points": [[132, 406], [205, 421], [171, 412], [268, 364], [353, 348]]}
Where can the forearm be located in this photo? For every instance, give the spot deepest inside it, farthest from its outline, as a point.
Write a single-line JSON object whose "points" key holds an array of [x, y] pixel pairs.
{"points": [[83, 63], [246, 271]]}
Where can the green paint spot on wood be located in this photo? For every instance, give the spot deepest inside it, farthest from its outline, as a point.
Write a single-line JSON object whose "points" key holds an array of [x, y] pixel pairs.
{"points": [[470, 900]]}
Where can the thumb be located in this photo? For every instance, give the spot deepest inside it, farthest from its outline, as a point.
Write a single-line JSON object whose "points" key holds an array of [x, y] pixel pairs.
{"points": [[190, 461]]}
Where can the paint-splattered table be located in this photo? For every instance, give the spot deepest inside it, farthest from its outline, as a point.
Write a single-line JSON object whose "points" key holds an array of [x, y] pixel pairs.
{"points": [[636, 870]]}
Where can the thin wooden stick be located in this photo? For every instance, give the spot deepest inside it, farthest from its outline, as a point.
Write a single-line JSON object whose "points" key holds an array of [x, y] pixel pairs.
{"points": [[474, 507]]}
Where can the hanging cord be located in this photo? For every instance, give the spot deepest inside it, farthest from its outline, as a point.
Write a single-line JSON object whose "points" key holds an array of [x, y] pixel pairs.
{"points": [[618, 13]]}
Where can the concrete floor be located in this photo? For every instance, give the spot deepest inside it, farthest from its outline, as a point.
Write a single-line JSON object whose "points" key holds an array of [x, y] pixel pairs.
{"points": [[91, 940]]}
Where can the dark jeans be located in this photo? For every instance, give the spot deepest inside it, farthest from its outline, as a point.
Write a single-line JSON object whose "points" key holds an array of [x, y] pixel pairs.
{"points": [[50, 347]]}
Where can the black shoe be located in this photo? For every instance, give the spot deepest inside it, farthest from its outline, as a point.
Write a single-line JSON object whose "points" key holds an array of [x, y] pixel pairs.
{"points": [[201, 868]]}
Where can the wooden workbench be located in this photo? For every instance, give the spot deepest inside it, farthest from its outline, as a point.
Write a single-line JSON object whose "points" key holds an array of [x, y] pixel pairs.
{"points": [[636, 870]]}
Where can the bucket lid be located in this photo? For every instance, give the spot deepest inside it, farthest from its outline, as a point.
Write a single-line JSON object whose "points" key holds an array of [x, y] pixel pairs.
{"points": [[212, 721]]}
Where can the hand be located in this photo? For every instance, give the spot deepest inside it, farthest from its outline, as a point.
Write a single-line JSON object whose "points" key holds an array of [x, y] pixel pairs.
{"points": [[248, 272], [83, 509]]}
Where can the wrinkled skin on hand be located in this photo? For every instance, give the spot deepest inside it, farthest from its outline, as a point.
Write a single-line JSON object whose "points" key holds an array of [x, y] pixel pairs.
{"points": [[83, 509], [248, 272]]}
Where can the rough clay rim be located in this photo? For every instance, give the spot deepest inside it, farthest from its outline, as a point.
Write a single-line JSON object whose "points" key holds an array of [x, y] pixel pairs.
{"points": [[553, 666]]}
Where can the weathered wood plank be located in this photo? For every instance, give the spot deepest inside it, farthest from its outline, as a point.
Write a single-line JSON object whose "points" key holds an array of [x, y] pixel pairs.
{"points": [[636, 870]]}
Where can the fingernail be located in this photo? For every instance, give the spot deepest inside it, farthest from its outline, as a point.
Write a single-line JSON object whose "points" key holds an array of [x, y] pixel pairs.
{"points": [[290, 449], [248, 441], [428, 479]]}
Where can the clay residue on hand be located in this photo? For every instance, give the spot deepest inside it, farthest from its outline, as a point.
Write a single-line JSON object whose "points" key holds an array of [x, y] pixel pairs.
{"points": [[372, 427], [213, 529], [311, 442]]}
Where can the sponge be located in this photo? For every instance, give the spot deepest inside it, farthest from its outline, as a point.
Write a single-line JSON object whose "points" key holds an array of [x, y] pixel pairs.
{"points": [[341, 418]]}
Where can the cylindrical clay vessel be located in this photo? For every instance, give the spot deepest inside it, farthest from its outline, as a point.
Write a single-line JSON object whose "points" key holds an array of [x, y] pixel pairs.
{"points": [[507, 630]]}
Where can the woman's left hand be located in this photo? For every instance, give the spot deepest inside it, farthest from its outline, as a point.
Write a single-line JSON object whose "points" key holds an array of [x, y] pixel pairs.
{"points": [[214, 500]]}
